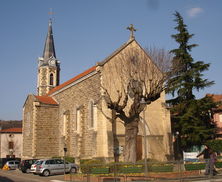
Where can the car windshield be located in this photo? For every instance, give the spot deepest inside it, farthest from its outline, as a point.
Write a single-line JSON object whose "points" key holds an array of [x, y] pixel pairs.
{"points": [[38, 162], [62, 162]]}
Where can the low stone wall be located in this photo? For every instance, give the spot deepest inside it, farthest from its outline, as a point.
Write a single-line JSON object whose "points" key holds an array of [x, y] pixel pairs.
{"points": [[130, 177]]}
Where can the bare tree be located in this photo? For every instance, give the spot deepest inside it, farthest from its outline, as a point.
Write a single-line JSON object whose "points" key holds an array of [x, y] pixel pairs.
{"points": [[140, 78]]}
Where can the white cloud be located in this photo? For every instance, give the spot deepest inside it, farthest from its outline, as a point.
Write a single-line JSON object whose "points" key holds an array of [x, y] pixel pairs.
{"points": [[194, 12]]}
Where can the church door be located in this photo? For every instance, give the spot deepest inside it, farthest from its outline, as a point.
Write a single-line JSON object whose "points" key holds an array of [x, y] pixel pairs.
{"points": [[139, 148]]}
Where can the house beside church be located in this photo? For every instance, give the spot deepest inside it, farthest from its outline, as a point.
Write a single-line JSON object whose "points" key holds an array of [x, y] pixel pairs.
{"points": [[72, 115], [217, 114], [11, 142]]}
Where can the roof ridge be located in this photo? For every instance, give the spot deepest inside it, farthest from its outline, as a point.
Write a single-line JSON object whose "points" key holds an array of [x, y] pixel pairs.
{"points": [[81, 75], [101, 63], [68, 82]]}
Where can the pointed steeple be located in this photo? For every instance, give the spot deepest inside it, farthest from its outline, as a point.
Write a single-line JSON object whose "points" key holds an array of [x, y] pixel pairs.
{"points": [[49, 49], [48, 66]]}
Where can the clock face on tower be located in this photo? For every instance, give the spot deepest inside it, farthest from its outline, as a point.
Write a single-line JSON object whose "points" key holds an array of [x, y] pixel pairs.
{"points": [[52, 62]]}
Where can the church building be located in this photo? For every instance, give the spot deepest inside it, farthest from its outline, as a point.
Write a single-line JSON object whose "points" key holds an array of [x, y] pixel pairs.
{"points": [[73, 116]]}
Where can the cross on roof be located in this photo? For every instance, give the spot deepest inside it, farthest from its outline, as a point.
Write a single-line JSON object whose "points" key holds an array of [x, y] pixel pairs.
{"points": [[132, 30]]}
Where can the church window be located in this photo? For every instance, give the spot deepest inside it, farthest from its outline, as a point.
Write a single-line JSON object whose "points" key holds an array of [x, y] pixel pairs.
{"points": [[10, 145], [51, 79], [78, 118], [92, 114], [65, 123]]}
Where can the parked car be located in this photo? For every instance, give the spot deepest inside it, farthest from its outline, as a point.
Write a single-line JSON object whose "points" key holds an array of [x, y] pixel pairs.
{"points": [[25, 165], [33, 167], [13, 164], [46, 167]]}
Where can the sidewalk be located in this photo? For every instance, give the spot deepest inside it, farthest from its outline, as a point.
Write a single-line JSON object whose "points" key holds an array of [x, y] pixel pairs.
{"points": [[199, 178]]}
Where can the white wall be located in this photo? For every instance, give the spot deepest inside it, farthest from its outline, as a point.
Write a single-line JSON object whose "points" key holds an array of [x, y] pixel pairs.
{"points": [[16, 138]]}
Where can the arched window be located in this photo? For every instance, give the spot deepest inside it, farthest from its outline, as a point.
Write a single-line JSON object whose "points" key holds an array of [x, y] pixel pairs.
{"points": [[78, 118], [51, 79], [92, 114], [66, 118]]}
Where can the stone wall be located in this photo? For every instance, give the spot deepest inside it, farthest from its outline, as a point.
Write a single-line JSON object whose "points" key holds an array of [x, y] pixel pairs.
{"points": [[40, 129], [27, 127], [46, 138], [81, 142]]}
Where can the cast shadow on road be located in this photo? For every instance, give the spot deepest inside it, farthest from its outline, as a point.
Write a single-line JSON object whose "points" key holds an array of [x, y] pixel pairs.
{"points": [[4, 179]]}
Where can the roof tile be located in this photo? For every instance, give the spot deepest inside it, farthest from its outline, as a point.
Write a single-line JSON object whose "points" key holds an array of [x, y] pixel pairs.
{"points": [[11, 130], [72, 80], [46, 100]]}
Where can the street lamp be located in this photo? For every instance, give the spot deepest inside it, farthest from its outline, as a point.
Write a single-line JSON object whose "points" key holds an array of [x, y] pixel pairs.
{"points": [[145, 144], [65, 150], [177, 143]]}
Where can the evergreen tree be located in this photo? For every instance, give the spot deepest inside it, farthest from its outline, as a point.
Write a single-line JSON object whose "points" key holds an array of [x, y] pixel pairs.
{"points": [[190, 117]]}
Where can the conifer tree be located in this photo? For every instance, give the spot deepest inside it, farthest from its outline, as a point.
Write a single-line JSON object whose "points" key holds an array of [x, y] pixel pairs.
{"points": [[190, 117]]}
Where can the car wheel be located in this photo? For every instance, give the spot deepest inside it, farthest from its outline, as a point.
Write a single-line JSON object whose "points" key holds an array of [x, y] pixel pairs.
{"points": [[46, 173], [23, 171], [73, 170], [28, 170]]}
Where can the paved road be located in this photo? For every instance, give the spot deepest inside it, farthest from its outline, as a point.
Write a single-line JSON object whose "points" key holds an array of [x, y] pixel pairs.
{"points": [[18, 176]]}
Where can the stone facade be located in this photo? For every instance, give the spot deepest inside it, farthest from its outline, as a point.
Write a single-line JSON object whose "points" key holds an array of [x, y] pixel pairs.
{"points": [[73, 115], [40, 129]]}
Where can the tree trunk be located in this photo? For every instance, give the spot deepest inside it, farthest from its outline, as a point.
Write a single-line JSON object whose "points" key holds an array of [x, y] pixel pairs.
{"points": [[131, 131], [115, 139]]}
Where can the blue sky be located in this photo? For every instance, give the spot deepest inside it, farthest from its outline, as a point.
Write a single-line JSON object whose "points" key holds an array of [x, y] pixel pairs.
{"points": [[87, 31]]}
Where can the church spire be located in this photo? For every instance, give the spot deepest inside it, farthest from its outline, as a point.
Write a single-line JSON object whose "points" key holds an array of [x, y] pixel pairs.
{"points": [[49, 49], [48, 66]]}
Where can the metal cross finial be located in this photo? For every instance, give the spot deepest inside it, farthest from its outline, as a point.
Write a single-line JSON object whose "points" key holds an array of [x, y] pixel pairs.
{"points": [[132, 30]]}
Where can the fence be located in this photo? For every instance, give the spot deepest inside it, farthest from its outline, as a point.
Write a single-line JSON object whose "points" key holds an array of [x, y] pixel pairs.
{"points": [[155, 171]]}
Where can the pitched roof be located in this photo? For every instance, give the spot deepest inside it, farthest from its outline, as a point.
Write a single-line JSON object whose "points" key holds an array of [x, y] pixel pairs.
{"points": [[90, 70], [63, 85], [46, 100], [101, 63], [216, 98], [11, 130]]}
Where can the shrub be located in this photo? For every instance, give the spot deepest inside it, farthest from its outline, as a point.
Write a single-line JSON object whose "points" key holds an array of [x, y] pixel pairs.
{"points": [[70, 159], [67, 158], [216, 145], [87, 164]]}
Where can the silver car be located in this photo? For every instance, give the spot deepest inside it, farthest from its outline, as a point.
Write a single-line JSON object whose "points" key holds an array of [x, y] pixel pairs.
{"points": [[33, 167], [12, 164], [46, 167]]}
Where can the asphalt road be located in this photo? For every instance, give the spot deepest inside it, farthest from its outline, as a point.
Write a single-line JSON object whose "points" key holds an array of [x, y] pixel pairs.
{"points": [[18, 176]]}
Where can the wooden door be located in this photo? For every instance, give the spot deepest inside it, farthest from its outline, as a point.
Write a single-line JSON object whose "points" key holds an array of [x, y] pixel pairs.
{"points": [[139, 148]]}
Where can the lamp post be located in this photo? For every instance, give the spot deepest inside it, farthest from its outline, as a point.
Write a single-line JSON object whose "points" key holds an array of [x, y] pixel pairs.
{"points": [[144, 142], [177, 143], [65, 150]]}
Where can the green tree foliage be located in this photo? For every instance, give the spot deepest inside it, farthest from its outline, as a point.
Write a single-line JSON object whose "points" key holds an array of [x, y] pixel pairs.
{"points": [[189, 73], [190, 116], [193, 122], [216, 145]]}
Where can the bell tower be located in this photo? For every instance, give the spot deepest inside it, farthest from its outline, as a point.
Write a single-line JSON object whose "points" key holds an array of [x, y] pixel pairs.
{"points": [[48, 66]]}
